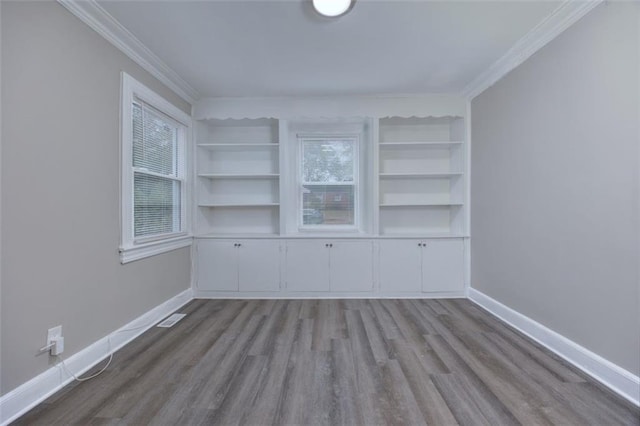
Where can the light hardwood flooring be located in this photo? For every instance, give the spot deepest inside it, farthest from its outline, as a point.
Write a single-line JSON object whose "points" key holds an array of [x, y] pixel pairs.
{"points": [[335, 362]]}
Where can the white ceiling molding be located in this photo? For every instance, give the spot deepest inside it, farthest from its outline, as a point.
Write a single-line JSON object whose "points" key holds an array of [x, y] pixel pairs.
{"points": [[565, 15], [92, 14], [330, 107]]}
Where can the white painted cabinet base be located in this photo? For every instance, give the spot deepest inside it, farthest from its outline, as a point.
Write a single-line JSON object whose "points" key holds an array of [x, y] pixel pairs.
{"points": [[307, 266], [351, 266], [328, 268], [442, 266], [400, 266], [428, 266], [237, 266], [217, 266]]}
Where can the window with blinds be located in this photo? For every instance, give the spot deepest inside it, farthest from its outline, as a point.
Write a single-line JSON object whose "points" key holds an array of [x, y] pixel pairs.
{"points": [[158, 172], [328, 182]]}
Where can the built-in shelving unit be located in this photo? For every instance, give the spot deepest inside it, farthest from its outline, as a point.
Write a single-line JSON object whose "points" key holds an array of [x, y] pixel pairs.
{"points": [[421, 176], [412, 195], [238, 177]]}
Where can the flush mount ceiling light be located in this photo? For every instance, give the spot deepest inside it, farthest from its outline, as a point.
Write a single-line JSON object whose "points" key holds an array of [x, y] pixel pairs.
{"points": [[332, 8]]}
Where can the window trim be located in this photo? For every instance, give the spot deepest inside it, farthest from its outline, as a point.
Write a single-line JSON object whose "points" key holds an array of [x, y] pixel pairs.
{"points": [[132, 248], [322, 229]]}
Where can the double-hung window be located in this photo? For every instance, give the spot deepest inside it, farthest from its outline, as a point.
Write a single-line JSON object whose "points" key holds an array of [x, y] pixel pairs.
{"points": [[154, 173], [328, 196]]}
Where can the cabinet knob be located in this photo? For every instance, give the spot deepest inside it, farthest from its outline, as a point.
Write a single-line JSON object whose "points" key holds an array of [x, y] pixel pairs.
{"points": [[326, 245], [331, 245]]}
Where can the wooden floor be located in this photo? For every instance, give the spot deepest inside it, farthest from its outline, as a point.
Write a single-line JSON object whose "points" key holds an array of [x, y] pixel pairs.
{"points": [[349, 362]]}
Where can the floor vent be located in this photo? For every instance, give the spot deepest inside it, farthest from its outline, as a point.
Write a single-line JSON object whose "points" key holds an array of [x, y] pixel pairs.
{"points": [[170, 322]]}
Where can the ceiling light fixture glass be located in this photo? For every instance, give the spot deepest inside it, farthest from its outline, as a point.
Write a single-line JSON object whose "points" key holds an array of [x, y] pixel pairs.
{"points": [[332, 8]]}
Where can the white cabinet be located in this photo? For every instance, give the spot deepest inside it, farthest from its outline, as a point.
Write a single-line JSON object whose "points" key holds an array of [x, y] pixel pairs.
{"points": [[307, 265], [217, 266], [442, 265], [329, 266], [433, 265], [238, 265], [351, 266], [332, 267], [400, 266]]}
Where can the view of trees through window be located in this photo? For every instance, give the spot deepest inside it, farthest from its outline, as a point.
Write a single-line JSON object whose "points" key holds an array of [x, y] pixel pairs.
{"points": [[328, 181]]}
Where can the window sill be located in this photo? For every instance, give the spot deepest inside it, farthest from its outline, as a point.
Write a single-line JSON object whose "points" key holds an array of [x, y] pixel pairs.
{"points": [[141, 251]]}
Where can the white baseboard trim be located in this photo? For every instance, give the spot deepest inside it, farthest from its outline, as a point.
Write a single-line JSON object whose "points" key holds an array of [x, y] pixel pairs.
{"points": [[26, 396], [200, 294], [611, 375]]}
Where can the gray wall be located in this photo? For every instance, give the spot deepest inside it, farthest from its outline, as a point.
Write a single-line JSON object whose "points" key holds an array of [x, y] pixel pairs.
{"points": [[555, 184], [60, 189]]}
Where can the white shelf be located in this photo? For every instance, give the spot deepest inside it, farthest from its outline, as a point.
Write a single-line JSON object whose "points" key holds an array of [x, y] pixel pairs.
{"points": [[238, 166], [241, 146], [418, 205], [419, 175], [239, 176], [421, 235], [420, 144], [238, 236], [239, 205], [418, 233]]}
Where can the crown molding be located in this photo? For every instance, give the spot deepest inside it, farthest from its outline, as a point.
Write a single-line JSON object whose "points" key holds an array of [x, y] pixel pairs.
{"points": [[92, 14], [565, 15], [436, 105]]}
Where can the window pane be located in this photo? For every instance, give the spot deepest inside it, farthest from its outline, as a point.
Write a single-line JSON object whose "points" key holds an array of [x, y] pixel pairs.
{"points": [[154, 142], [327, 161], [327, 205], [156, 205]]}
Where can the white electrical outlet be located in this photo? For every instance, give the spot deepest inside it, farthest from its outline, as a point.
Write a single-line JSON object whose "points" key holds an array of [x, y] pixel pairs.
{"points": [[55, 341]]}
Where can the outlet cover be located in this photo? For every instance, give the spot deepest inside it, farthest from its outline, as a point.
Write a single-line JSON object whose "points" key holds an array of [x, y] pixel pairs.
{"points": [[53, 333]]}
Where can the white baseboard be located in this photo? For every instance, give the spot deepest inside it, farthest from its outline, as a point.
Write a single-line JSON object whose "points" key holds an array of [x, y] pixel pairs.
{"points": [[611, 375], [200, 294], [28, 395]]}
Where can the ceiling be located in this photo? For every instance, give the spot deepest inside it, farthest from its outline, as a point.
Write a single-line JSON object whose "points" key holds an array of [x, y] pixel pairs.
{"points": [[256, 48]]}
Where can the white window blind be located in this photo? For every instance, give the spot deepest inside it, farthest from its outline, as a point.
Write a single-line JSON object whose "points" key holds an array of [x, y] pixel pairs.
{"points": [[158, 172], [328, 181]]}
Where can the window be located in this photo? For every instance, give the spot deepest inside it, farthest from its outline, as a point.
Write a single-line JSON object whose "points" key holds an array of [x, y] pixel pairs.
{"points": [[154, 179], [328, 182]]}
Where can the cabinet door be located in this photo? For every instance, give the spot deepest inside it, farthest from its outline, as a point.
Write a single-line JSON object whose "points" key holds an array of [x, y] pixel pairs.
{"points": [[217, 266], [442, 266], [400, 265], [307, 265], [351, 266], [259, 265]]}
